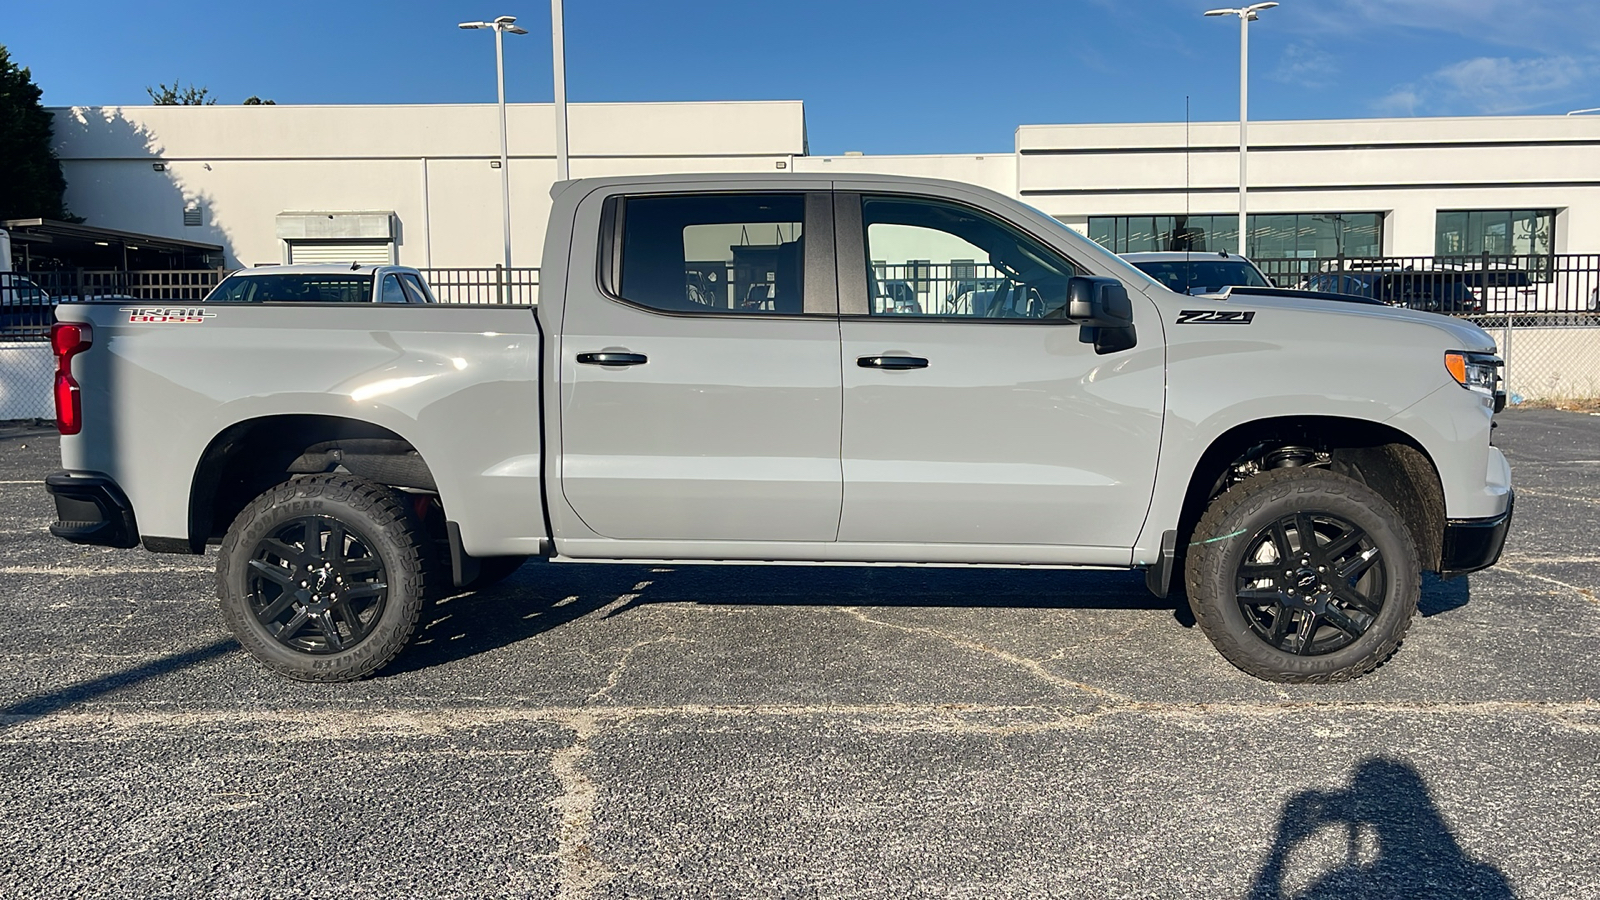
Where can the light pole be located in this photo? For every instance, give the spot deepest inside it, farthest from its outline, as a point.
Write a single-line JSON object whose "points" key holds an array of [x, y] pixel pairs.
{"points": [[558, 52], [502, 25], [1246, 15]]}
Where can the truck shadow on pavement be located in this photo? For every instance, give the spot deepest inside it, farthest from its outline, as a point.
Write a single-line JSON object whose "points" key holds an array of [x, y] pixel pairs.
{"points": [[1380, 837], [544, 596]]}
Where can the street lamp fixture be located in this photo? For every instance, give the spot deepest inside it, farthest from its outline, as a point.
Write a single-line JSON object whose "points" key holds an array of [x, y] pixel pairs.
{"points": [[1246, 14], [500, 26]]}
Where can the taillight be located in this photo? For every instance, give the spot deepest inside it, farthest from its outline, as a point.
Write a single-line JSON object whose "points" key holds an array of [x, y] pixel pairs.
{"points": [[68, 339]]}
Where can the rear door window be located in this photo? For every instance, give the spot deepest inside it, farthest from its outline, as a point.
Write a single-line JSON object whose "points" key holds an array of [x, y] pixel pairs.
{"points": [[740, 254]]}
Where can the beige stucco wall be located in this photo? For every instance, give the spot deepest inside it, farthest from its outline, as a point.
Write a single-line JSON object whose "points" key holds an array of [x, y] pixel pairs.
{"points": [[431, 165]]}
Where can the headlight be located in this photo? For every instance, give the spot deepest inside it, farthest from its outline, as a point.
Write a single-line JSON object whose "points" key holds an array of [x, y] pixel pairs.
{"points": [[1479, 372]]}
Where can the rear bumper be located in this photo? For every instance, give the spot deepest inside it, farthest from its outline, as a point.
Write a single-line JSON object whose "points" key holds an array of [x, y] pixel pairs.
{"points": [[1473, 544], [92, 509]]}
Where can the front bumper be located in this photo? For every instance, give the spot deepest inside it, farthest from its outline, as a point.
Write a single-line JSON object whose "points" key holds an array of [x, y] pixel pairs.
{"points": [[1473, 544], [92, 509]]}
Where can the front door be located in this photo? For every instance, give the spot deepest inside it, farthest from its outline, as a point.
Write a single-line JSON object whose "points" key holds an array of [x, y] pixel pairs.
{"points": [[700, 372], [973, 413]]}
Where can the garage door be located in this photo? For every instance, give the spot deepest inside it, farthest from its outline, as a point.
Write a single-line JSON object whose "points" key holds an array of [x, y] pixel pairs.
{"points": [[369, 253]]}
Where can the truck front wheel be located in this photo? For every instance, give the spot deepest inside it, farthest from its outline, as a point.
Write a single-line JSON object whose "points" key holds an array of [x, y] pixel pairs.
{"points": [[1303, 575], [322, 578]]}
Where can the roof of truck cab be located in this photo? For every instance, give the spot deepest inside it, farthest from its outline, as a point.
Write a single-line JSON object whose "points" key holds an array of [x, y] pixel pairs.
{"points": [[319, 269], [801, 180]]}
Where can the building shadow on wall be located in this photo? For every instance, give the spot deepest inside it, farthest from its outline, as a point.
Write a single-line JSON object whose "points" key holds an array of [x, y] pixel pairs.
{"points": [[1381, 837], [113, 180]]}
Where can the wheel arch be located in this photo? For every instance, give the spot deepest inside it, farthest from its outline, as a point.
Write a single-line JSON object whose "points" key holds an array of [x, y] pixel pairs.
{"points": [[252, 455], [1384, 458]]}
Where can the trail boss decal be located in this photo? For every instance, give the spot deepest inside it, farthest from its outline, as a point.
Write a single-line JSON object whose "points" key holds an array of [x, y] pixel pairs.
{"points": [[170, 315], [1216, 317]]}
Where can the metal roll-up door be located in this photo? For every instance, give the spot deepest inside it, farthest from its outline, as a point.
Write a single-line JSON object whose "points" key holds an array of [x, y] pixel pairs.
{"points": [[367, 253]]}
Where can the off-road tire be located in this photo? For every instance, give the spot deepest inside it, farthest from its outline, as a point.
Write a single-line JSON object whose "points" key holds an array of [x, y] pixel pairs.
{"points": [[390, 534], [1235, 525]]}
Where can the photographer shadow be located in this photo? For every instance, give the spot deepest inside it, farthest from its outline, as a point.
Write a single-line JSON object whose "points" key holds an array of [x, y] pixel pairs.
{"points": [[1394, 843]]}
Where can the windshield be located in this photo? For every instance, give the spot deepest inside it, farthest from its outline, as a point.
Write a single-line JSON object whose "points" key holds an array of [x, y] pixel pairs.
{"points": [[315, 287], [1102, 254], [1204, 275]]}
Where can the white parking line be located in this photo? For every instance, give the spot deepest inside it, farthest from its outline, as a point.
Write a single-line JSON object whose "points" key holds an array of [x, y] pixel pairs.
{"points": [[75, 571]]}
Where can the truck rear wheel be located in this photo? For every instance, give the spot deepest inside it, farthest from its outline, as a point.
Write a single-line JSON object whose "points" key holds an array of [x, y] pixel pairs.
{"points": [[322, 578], [1303, 575]]}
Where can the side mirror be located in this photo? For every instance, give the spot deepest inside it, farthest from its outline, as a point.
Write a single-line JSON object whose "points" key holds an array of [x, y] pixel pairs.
{"points": [[1101, 306], [1099, 303]]}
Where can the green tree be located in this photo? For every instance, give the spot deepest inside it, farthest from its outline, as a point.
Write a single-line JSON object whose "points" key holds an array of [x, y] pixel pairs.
{"points": [[253, 100], [176, 95], [31, 183]]}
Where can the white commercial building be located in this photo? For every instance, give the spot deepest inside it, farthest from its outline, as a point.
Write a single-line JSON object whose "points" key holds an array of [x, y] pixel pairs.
{"points": [[420, 184]]}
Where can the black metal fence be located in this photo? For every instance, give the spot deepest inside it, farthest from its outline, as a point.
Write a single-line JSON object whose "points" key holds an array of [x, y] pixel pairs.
{"points": [[933, 289], [499, 285], [28, 299], [1536, 290]]}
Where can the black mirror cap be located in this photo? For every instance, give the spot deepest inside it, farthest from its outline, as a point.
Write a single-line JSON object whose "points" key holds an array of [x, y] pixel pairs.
{"points": [[1099, 302]]}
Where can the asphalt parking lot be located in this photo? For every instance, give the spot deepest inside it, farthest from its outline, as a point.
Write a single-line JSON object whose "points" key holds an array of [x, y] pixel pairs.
{"points": [[622, 731]]}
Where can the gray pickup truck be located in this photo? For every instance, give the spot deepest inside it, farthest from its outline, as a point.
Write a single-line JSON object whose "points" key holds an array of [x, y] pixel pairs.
{"points": [[713, 374]]}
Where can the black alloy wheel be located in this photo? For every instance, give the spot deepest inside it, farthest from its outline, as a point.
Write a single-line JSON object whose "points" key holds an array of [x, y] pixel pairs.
{"points": [[322, 578], [316, 585], [1311, 583], [1303, 575]]}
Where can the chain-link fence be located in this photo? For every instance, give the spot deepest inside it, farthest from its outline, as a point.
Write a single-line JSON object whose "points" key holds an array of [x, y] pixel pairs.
{"points": [[27, 374]]}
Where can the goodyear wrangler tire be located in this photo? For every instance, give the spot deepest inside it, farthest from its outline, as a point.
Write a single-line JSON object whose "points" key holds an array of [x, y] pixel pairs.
{"points": [[322, 578], [1303, 575]]}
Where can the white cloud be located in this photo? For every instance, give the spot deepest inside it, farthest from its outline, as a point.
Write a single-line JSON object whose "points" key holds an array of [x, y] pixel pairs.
{"points": [[1505, 85], [1492, 86], [1549, 27], [1402, 101], [1303, 64]]}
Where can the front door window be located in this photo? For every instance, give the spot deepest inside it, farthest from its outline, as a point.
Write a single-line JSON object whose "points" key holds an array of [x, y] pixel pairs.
{"points": [[939, 259]]}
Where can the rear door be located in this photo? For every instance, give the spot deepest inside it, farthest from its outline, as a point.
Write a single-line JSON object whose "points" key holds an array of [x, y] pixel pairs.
{"points": [[974, 413], [700, 370]]}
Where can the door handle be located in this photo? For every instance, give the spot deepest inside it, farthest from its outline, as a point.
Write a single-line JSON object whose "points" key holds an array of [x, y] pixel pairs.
{"points": [[612, 359], [891, 362]]}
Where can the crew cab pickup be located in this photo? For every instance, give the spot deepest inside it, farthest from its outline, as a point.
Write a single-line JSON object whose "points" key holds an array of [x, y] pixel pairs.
{"points": [[715, 373]]}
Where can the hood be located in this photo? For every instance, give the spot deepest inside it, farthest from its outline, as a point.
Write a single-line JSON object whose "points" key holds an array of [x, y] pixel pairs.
{"points": [[1464, 335]]}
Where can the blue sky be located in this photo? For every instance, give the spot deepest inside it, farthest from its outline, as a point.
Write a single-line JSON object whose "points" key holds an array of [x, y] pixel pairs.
{"points": [[877, 76]]}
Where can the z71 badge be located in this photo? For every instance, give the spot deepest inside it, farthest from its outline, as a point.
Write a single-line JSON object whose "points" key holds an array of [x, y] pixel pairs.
{"points": [[1216, 317], [170, 315]]}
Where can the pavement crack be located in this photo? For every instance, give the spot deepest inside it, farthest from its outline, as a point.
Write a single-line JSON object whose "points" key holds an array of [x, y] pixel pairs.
{"points": [[579, 870], [621, 666], [1586, 593], [1031, 666]]}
